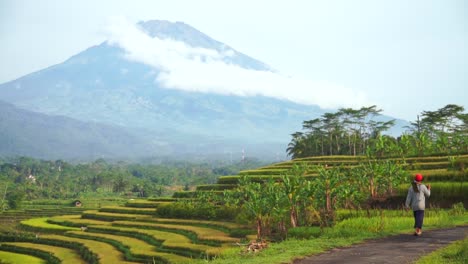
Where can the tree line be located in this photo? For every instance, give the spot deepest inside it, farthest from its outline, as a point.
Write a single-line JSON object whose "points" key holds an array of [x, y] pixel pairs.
{"points": [[26, 178], [361, 131]]}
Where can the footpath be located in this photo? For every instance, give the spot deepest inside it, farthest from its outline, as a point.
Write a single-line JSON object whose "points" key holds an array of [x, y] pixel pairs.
{"points": [[404, 248]]}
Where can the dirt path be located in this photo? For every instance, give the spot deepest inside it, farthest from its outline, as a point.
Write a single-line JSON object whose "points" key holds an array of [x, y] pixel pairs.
{"points": [[395, 249]]}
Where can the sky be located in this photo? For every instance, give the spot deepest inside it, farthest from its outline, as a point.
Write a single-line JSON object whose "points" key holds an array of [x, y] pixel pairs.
{"points": [[403, 56]]}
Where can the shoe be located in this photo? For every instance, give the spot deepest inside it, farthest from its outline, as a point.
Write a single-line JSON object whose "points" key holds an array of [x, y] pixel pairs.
{"points": [[417, 232]]}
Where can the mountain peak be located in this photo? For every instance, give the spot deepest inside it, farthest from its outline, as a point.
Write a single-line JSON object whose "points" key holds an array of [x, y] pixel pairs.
{"points": [[181, 32], [187, 34]]}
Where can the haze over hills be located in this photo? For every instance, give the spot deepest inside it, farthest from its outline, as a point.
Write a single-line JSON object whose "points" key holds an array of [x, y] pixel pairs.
{"points": [[104, 85], [25, 133]]}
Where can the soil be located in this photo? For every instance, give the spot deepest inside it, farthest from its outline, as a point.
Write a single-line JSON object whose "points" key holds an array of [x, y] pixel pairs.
{"points": [[404, 248]]}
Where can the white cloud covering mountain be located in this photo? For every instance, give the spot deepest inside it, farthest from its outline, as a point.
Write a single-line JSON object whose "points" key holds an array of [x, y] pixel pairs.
{"points": [[188, 68]]}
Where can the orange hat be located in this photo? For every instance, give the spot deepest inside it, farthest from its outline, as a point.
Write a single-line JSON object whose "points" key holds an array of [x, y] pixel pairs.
{"points": [[418, 177]]}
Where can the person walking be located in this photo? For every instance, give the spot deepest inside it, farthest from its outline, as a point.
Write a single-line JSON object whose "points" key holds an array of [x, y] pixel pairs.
{"points": [[416, 198]]}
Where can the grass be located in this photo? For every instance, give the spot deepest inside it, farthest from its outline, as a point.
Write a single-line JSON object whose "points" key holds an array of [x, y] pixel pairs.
{"points": [[455, 253], [10, 257], [344, 233], [66, 255]]}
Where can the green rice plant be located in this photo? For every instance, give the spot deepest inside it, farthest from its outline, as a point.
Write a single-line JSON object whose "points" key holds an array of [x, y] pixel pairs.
{"points": [[455, 253], [127, 210], [263, 172], [202, 233], [92, 214], [185, 194], [146, 203], [277, 166], [331, 158], [219, 187], [75, 221], [106, 253], [441, 190], [172, 242], [47, 256], [11, 257], [219, 225], [428, 165], [65, 255], [84, 252], [137, 248], [228, 179], [41, 225], [441, 175]]}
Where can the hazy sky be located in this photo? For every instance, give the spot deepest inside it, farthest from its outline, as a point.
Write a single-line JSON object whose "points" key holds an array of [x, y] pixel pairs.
{"points": [[404, 56]]}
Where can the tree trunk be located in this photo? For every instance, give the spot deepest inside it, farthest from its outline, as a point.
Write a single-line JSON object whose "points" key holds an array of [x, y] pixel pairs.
{"points": [[259, 228], [372, 187], [293, 216]]}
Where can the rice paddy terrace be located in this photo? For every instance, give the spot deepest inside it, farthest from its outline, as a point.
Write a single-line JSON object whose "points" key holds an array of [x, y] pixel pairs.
{"points": [[446, 174], [117, 234], [133, 233]]}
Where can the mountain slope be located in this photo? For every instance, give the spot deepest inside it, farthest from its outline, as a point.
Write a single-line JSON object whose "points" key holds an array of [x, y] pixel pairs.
{"points": [[25, 133]]}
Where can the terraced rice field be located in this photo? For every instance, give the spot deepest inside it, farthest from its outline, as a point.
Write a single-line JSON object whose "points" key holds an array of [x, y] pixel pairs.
{"points": [[122, 234]]}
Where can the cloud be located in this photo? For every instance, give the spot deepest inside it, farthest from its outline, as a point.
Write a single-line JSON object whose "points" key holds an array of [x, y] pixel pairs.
{"points": [[197, 69]]}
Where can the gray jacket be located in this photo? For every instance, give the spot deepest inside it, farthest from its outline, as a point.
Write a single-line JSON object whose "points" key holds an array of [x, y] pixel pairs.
{"points": [[417, 200]]}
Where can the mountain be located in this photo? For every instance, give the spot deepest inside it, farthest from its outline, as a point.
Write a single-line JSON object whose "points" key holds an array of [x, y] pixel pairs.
{"points": [[102, 85], [25, 133]]}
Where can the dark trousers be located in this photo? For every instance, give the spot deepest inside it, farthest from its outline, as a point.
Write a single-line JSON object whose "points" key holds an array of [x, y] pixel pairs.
{"points": [[418, 218]]}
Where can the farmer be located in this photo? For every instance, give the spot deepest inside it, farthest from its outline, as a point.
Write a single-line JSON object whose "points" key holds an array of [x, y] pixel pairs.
{"points": [[416, 198]]}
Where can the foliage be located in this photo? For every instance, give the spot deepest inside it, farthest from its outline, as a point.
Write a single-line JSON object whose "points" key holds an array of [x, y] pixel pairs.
{"points": [[356, 132], [26, 178]]}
